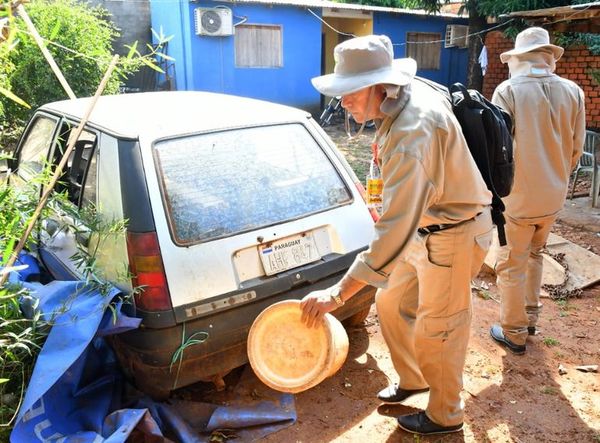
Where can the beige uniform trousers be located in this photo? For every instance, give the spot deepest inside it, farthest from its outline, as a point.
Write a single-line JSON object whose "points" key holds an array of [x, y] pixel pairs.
{"points": [[425, 313], [519, 271]]}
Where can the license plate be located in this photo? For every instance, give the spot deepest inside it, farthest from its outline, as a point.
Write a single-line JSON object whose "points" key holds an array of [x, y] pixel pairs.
{"points": [[288, 253]]}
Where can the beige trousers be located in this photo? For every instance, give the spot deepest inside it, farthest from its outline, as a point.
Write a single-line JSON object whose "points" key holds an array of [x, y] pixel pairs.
{"points": [[519, 271], [425, 313]]}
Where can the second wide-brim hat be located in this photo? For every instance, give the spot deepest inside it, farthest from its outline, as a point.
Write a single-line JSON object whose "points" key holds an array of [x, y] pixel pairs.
{"points": [[362, 62], [532, 39]]}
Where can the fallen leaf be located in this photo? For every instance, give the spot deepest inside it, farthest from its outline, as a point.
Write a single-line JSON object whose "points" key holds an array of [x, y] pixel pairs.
{"points": [[587, 368]]}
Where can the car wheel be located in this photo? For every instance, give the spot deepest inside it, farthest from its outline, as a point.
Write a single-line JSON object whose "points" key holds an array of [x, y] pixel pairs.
{"points": [[357, 319]]}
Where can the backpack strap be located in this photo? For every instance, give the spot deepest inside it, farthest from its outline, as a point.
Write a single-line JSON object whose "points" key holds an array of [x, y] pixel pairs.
{"points": [[498, 218], [460, 99]]}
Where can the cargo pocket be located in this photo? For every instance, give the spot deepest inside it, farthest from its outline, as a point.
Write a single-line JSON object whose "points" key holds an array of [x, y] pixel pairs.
{"points": [[442, 327], [440, 248]]}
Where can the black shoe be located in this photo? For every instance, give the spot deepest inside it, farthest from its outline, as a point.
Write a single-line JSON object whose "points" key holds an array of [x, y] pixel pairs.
{"points": [[498, 335], [531, 330], [394, 394], [421, 424]]}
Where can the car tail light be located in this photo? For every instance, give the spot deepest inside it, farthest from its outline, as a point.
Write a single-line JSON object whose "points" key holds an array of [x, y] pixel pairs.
{"points": [[148, 271], [363, 194]]}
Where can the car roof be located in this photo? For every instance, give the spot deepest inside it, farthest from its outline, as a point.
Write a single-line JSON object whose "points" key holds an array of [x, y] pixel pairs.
{"points": [[161, 114]]}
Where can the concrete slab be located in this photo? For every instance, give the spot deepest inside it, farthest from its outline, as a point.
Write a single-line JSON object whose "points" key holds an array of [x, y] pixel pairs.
{"points": [[579, 213], [583, 265]]}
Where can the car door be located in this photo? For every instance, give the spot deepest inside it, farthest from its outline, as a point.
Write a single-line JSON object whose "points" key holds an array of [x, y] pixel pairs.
{"points": [[65, 236]]}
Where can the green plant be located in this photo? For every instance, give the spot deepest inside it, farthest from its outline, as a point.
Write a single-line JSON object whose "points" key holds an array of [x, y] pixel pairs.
{"points": [[83, 29], [22, 338], [79, 37], [549, 390], [7, 43], [549, 341], [590, 41]]}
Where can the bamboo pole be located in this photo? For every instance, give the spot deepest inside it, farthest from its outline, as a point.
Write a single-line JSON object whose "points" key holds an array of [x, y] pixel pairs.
{"points": [[58, 172], [47, 55]]}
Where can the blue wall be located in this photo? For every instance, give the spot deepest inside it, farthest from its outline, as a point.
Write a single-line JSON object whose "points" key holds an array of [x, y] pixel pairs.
{"points": [[453, 61], [208, 63], [173, 20]]}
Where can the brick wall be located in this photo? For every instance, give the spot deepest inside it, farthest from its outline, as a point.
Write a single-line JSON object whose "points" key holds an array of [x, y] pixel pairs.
{"points": [[575, 64]]}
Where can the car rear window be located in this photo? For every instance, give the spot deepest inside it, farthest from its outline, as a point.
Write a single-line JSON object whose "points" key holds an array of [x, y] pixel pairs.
{"points": [[222, 183]]}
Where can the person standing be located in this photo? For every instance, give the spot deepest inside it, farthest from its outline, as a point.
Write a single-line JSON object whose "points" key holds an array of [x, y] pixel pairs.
{"points": [[433, 234], [548, 115]]}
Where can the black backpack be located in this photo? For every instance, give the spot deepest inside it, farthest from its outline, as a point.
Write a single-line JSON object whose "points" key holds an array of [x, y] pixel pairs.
{"points": [[488, 131]]}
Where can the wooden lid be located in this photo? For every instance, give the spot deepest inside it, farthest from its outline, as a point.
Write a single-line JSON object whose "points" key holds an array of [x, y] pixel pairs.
{"points": [[287, 355]]}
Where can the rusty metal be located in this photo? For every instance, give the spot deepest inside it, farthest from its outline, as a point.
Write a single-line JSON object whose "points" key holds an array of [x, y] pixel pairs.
{"points": [[158, 379]]}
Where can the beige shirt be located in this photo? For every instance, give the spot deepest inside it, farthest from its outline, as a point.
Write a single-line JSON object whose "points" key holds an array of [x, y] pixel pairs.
{"points": [[549, 131], [429, 178]]}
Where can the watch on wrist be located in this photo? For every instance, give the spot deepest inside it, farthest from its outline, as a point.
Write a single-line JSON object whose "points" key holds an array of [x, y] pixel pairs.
{"points": [[335, 294]]}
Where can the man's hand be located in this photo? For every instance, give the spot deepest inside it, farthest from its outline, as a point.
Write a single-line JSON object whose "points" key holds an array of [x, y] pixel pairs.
{"points": [[315, 305]]}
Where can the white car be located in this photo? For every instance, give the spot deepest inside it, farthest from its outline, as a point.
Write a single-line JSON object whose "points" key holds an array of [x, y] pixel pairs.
{"points": [[232, 204]]}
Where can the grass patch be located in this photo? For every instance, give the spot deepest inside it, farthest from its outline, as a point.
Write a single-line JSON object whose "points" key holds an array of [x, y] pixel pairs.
{"points": [[549, 341], [549, 390]]}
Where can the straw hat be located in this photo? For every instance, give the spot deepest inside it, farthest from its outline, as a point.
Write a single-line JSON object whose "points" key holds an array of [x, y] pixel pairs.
{"points": [[362, 62], [532, 39]]}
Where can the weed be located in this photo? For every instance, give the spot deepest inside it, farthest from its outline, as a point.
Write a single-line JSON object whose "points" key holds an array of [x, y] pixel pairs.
{"points": [[549, 390], [484, 294], [21, 339], [549, 341], [562, 303]]}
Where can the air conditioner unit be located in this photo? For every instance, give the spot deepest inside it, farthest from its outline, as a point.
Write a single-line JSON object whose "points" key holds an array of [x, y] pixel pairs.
{"points": [[213, 21], [456, 36]]}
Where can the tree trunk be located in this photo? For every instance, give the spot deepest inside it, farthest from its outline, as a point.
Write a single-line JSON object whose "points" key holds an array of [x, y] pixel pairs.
{"points": [[477, 23]]}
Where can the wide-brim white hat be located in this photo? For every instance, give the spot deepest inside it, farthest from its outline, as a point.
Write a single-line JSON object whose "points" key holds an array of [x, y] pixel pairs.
{"points": [[362, 62], [532, 39]]}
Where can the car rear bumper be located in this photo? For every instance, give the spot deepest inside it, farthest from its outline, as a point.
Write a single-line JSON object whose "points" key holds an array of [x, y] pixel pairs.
{"points": [[161, 360]]}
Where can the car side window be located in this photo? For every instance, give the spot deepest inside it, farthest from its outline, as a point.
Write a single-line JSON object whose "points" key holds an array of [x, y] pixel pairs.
{"points": [[79, 177], [90, 184], [34, 149]]}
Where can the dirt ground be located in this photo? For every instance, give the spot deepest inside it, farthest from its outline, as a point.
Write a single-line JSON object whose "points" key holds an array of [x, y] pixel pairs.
{"points": [[508, 398]]}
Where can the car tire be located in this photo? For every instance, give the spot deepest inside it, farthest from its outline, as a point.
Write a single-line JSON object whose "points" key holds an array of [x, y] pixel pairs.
{"points": [[357, 319]]}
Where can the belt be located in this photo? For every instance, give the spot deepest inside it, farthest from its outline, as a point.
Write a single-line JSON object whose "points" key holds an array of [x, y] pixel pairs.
{"points": [[442, 227]]}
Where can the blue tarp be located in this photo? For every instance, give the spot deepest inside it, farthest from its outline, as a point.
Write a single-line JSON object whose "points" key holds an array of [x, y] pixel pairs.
{"points": [[76, 391]]}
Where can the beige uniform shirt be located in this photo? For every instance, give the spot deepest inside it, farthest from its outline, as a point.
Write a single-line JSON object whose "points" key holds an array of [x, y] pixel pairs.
{"points": [[429, 178], [549, 130]]}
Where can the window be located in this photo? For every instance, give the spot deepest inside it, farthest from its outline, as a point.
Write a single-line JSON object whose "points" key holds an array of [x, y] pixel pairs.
{"points": [[425, 48], [79, 177], [35, 148], [223, 183], [90, 181], [258, 46]]}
